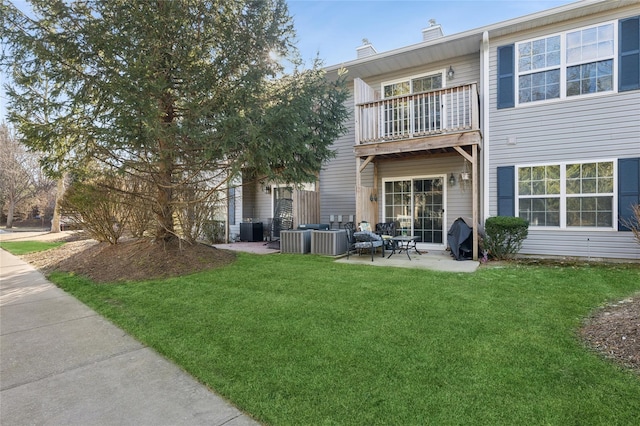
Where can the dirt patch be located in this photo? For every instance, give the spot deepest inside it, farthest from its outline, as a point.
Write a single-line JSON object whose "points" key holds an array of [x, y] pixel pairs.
{"points": [[129, 260], [614, 331]]}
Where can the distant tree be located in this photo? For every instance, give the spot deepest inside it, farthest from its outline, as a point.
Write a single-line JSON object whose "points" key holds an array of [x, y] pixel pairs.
{"points": [[174, 93], [21, 179]]}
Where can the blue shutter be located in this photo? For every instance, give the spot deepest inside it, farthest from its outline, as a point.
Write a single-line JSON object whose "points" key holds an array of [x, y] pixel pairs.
{"points": [[506, 81], [628, 189], [629, 59], [506, 191]]}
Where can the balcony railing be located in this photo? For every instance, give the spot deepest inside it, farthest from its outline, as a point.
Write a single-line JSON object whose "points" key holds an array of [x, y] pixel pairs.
{"points": [[423, 114]]}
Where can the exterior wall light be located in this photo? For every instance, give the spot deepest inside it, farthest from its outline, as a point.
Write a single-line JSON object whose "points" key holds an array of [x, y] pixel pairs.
{"points": [[450, 73], [452, 180]]}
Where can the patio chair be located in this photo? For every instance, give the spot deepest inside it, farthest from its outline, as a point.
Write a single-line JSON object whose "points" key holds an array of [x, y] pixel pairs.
{"points": [[368, 240], [351, 241], [387, 231]]}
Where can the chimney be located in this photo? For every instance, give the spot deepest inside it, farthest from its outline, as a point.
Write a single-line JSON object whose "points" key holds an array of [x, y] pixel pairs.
{"points": [[366, 49], [432, 32]]}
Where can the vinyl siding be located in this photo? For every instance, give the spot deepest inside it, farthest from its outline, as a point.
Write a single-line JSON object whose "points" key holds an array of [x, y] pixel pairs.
{"points": [[338, 176], [458, 200], [581, 128], [592, 244], [467, 70]]}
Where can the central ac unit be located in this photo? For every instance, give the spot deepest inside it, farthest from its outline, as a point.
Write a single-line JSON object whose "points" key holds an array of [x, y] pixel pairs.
{"points": [[295, 241], [331, 243]]}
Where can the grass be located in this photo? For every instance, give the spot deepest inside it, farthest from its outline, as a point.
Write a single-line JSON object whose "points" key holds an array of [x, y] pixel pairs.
{"points": [[303, 340], [23, 247]]}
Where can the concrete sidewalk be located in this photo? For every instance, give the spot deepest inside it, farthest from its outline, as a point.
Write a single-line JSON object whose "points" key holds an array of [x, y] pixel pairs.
{"points": [[63, 364]]}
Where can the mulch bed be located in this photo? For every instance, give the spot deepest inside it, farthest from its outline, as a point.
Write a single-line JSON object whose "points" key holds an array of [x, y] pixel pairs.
{"points": [[614, 331]]}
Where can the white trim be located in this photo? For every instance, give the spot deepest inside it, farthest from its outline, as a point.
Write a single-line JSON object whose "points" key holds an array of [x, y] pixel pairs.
{"points": [[485, 125], [562, 196], [409, 79], [562, 66], [423, 245]]}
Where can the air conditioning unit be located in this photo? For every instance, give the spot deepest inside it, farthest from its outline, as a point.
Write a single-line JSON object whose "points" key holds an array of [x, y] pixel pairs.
{"points": [[331, 243], [295, 241]]}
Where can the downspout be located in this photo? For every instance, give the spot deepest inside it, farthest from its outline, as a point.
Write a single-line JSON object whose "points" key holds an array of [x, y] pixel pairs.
{"points": [[484, 125]]}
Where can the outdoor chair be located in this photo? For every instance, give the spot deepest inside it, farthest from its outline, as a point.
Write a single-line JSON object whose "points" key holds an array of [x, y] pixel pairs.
{"points": [[387, 231], [368, 240], [351, 241]]}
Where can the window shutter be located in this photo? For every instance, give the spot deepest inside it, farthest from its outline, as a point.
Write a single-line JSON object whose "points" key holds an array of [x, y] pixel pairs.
{"points": [[628, 189], [506, 191], [506, 81], [629, 60]]}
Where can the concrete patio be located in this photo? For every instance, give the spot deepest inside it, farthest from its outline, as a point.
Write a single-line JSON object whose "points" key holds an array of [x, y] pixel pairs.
{"points": [[437, 260]]}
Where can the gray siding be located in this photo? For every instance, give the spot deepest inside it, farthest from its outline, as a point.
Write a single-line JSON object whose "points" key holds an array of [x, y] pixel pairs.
{"points": [[590, 244], [458, 199], [467, 70], [338, 176], [581, 128]]}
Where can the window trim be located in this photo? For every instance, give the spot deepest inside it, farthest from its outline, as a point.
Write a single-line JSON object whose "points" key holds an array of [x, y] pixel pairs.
{"points": [[563, 66], [442, 71], [445, 194], [563, 195]]}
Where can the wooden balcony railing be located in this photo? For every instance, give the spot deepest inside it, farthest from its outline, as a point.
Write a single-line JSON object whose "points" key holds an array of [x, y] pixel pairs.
{"points": [[432, 113]]}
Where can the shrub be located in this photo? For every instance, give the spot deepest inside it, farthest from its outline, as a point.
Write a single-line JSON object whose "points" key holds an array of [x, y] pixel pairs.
{"points": [[214, 231], [634, 223], [504, 236], [96, 207]]}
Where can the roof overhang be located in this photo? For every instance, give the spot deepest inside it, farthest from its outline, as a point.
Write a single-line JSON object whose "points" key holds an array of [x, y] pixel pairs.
{"points": [[467, 42]]}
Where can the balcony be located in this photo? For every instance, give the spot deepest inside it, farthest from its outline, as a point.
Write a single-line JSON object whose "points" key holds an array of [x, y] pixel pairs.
{"points": [[421, 121]]}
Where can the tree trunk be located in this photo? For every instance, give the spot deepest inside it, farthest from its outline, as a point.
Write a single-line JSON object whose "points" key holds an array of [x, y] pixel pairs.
{"points": [[10, 212], [164, 214], [165, 231], [55, 221]]}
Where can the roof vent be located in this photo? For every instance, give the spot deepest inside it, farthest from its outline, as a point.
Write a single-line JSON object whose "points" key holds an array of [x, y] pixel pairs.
{"points": [[432, 32], [366, 49]]}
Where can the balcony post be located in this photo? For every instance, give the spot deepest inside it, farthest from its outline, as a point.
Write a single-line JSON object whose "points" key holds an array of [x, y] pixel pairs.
{"points": [[474, 202]]}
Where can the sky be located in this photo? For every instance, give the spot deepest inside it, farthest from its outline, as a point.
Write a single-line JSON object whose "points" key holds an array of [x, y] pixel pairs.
{"points": [[333, 29]]}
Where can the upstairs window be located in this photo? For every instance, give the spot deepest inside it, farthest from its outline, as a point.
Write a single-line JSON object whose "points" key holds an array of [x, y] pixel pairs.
{"points": [[414, 85], [590, 54], [539, 67], [568, 64]]}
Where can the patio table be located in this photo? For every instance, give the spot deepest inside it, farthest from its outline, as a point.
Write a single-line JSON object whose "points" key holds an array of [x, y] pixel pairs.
{"points": [[404, 243]]}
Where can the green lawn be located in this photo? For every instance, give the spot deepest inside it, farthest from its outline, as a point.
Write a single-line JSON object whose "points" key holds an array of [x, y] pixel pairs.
{"points": [[23, 247], [303, 340]]}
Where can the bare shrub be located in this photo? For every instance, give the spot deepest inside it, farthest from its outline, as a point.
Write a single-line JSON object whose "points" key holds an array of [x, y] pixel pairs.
{"points": [[96, 206], [196, 210], [634, 223]]}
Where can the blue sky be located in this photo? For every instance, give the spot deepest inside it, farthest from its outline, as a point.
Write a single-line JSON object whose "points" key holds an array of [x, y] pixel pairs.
{"points": [[333, 29]]}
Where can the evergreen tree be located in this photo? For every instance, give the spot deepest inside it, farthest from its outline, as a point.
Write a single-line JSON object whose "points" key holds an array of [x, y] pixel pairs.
{"points": [[174, 93]]}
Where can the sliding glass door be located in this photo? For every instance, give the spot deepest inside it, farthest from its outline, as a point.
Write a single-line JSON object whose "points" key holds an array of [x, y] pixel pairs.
{"points": [[417, 207]]}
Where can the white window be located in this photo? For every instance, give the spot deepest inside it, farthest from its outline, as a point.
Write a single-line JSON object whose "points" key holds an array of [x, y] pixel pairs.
{"points": [[411, 110], [568, 64], [539, 65], [413, 85], [568, 195], [590, 60], [539, 191]]}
